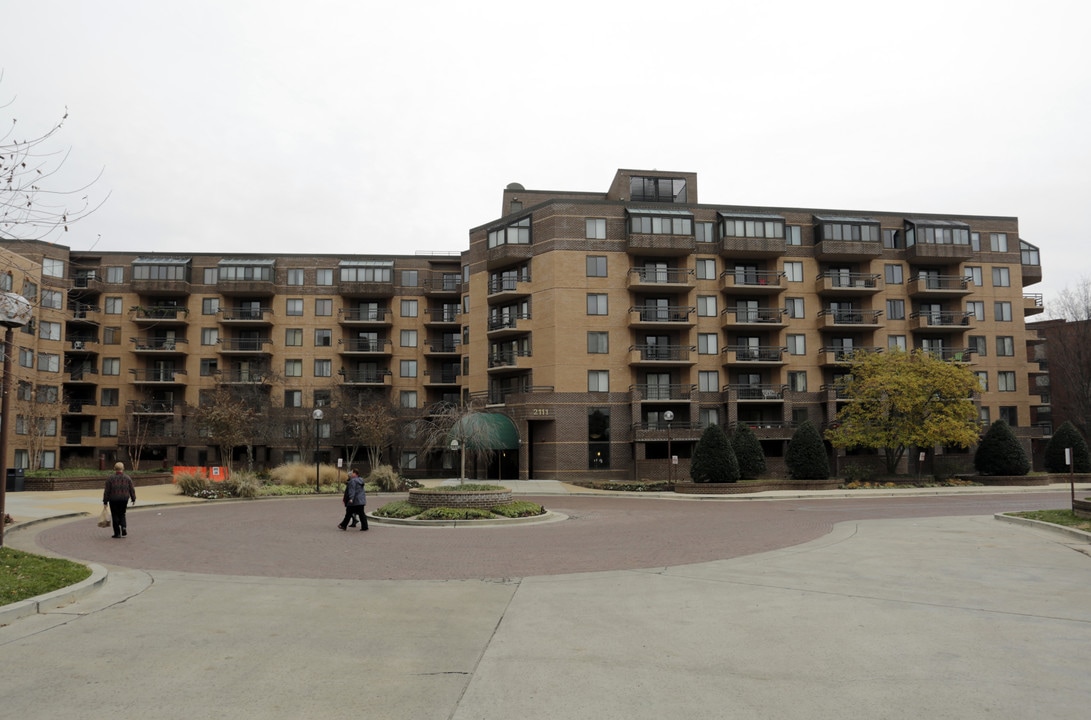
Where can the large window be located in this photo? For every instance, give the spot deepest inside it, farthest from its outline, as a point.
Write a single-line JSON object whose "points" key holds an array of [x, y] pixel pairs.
{"points": [[516, 233], [210, 305], [113, 306], [111, 366], [657, 189], [293, 368], [752, 227], [408, 398], [323, 337], [178, 270], [855, 232], [893, 274], [409, 308], [797, 380], [378, 271], [210, 336], [49, 330], [49, 362], [408, 368], [108, 428], [647, 224], [794, 306], [258, 272], [976, 308]]}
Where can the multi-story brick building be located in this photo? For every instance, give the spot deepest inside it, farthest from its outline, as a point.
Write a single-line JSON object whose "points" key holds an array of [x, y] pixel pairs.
{"points": [[611, 328]]}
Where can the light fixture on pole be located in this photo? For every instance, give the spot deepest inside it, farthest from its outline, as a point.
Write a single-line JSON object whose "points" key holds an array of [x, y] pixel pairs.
{"points": [[317, 415], [15, 311], [669, 417], [460, 448]]}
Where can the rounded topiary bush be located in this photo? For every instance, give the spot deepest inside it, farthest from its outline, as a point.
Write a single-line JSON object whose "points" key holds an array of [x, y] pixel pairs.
{"points": [[713, 459], [1067, 436], [806, 457], [748, 452], [1000, 453]]}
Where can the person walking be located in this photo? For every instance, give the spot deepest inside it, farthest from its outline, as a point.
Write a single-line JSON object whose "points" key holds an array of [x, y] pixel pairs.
{"points": [[118, 492], [355, 501]]}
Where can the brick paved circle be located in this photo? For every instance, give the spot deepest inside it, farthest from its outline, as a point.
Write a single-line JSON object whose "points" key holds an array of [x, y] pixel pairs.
{"points": [[297, 537]]}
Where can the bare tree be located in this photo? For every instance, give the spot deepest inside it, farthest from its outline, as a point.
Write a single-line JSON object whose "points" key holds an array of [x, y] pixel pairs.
{"points": [[137, 431], [369, 424], [38, 419], [1068, 351], [465, 424], [227, 421]]}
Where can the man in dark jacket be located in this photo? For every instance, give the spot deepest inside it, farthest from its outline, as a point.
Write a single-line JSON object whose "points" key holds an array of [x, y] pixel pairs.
{"points": [[355, 501], [118, 492]]}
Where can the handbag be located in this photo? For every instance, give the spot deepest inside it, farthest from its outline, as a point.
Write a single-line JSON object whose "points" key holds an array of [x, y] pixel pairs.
{"points": [[104, 517]]}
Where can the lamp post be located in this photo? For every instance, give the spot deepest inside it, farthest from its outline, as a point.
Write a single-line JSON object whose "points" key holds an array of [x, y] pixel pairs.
{"points": [[317, 415], [15, 311], [669, 417], [460, 448]]}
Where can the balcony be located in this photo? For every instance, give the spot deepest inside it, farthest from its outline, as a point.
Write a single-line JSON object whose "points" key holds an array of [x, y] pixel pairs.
{"points": [[662, 393], [245, 346], [246, 287], [848, 284], [82, 374], [81, 312], [683, 431], [82, 343], [160, 287], [761, 282], [442, 347], [754, 355], [441, 284], [757, 392], [510, 287], [662, 245], [765, 318], [836, 392], [767, 429], [508, 254], [156, 345], [847, 250], [243, 377], [365, 378], [439, 317], [752, 247], [838, 355], [159, 314], [443, 377], [246, 316], [938, 286], [940, 321], [507, 360], [366, 288], [365, 346], [661, 316], [955, 355], [88, 283], [151, 407], [849, 319], [78, 406], [161, 376], [506, 325], [1031, 274], [1033, 304], [662, 279], [661, 354], [940, 254], [365, 316]]}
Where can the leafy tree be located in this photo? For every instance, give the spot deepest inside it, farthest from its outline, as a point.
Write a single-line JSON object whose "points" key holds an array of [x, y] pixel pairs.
{"points": [[748, 452], [806, 456], [713, 459], [1000, 452], [1067, 436], [900, 400]]}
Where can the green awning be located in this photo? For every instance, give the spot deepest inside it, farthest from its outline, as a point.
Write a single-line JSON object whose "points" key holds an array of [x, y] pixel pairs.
{"points": [[485, 431]]}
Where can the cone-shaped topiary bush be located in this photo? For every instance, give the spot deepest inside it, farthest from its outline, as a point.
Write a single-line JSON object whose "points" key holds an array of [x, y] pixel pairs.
{"points": [[748, 452], [806, 457], [999, 452], [713, 459], [1067, 436]]}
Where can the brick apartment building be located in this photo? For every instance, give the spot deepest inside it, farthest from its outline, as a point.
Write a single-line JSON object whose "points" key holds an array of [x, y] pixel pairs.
{"points": [[610, 328]]}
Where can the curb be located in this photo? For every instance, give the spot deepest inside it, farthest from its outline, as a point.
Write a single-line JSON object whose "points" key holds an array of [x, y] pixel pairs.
{"points": [[54, 600], [1059, 529], [548, 517]]}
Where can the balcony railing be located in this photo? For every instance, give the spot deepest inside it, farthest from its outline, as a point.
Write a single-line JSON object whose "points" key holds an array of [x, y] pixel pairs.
{"points": [[756, 391], [758, 353], [746, 316], [375, 314], [666, 353], [663, 392], [668, 313]]}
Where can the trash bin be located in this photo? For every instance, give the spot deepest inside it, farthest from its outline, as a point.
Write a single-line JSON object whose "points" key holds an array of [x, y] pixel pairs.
{"points": [[16, 480]]}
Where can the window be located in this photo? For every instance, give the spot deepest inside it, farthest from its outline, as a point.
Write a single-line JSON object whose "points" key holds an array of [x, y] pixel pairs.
{"points": [[596, 266], [110, 397], [1028, 253], [708, 381], [892, 240], [793, 235], [295, 276], [704, 231], [797, 380], [111, 336], [978, 345], [408, 338], [115, 275], [52, 267], [410, 278], [409, 308], [974, 273], [895, 309], [1005, 346], [894, 274], [30, 290], [111, 366], [293, 306], [408, 460], [47, 394], [26, 357], [896, 342], [112, 306], [794, 306], [322, 398], [1002, 311], [643, 223], [52, 299], [293, 368], [982, 379], [998, 242], [323, 368], [706, 269], [211, 276], [408, 398], [657, 189], [323, 307], [210, 306], [596, 304], [598, 381], [49, 330], [752, 227], [706, 306], [853, 232], [598, 343], [975, 242], [707, 417], [108, 428], [210, 336], [946, 234], [49, 362], [595, 229], [293, 398], [323, 277], [976, 308], [408, 368], [1005, 381], [323, 337], [1001, 277], [793, 271], [708, 344], [209, 367], [797, 344]]}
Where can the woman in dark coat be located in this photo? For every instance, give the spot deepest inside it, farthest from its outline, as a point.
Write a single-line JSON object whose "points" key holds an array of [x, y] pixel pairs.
{"points": [[355, 501], [118, 492]]}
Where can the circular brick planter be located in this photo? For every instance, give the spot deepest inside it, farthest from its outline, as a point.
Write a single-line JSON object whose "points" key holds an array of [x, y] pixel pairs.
{"points": [[433, 498]]}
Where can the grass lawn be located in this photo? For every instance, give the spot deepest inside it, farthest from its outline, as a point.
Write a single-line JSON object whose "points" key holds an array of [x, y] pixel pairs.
{"points": [[1057, 517], [23, 575]]}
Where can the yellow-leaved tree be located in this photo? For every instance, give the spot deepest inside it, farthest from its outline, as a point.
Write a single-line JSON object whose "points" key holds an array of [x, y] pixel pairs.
{"points": [[899, 400]]}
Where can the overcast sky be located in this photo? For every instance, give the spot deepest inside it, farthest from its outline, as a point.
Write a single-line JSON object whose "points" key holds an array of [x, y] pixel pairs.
{"points": [[337, 126]]}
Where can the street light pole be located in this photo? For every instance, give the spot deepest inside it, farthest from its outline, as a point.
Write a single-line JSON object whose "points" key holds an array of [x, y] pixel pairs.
{"points": [[317, 415], [669, 417], [15, 311]]}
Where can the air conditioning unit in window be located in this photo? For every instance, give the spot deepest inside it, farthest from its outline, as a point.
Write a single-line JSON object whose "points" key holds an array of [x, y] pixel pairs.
{"points": [[77, 344]]}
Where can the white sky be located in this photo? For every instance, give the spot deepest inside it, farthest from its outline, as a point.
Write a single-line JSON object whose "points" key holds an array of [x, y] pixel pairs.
{"points": [[337, 126]]}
